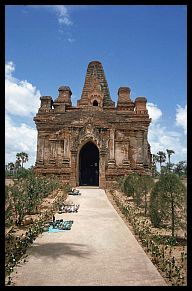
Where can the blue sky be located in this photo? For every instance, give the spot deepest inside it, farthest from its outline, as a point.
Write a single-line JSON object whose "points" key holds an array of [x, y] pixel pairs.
{"points": [[143, 47]]}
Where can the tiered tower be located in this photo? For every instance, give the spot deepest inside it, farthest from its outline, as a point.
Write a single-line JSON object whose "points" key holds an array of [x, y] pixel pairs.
{"points": [[95, 88], [95, 142]]}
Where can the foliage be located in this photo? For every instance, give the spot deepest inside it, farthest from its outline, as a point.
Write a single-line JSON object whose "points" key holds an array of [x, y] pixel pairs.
{"points": [[156, 207], [22, 173], [161, 158], [168, 168], [8, 207], [16, 246], [146, 186], [138, 190], [17, 165], [19, 197], [155, 160], [137, 186], [169, 153], [130, 183], [159, 248], [16, 169], [121, 182], [27, 192], [167, 199], [34, 196], [181, 168], [9, 169], [9, 215], [154, 170], [22, 158]]}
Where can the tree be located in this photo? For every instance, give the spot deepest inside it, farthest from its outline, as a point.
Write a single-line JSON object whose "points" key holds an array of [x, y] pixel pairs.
{"points": [[167, 201], [138, 187], [33, 190], [161, 158], [130, 184], [146, 185], [167, 168], [22, 157], [156, 207], [10, 167], [181, 168], [19, 200], [121, 183], [155, 159], [169, 153], [135, 186], [8, 207]]}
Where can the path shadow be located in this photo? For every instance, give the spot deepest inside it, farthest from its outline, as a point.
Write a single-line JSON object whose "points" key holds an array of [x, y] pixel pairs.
{"points": [[56, 250]]}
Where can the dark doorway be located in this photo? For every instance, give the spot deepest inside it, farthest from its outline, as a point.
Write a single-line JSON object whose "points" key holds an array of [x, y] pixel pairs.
{"points": [[89, 165], [95, 103]]}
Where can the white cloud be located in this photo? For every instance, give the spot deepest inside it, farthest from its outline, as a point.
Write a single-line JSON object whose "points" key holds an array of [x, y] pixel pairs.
{"points": [[61, 11], [71, 39], [9, 69], [21, 97], [62, 14], [18, 139], [154, 112], [161, 138], [181, 117]]}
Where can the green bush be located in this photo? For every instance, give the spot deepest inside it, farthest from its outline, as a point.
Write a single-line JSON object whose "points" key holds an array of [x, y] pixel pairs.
{"points": [[26, 194]]}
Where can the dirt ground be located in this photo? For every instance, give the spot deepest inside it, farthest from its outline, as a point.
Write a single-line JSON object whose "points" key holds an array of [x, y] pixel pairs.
{"points": [[174, 251], [42, 208], [46, 205], [99, 250]]}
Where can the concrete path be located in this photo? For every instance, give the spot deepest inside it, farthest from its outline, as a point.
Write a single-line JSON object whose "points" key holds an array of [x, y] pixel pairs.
{"points": [[98, 250]]}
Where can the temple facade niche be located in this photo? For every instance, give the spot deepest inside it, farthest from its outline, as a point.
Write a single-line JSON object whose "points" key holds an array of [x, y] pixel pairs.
{"points": [[94, 142]]}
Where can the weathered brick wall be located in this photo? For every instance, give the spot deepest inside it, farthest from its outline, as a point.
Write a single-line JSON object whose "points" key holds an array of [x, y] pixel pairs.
{"points": [[120, 133]]}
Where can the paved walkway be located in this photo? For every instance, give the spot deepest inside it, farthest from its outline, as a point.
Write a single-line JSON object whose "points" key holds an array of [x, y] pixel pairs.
{"points": [[98, 250]]}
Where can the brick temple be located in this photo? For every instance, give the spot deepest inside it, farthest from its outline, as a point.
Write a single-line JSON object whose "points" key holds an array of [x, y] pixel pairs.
{"points": [[96, 141]]}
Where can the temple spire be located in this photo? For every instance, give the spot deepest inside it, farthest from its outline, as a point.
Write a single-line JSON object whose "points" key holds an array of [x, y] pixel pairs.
{"points": [[95, 87]]}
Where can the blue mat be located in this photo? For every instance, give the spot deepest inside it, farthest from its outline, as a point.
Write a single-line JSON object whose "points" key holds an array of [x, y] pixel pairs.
{"points": [[51, 229]]}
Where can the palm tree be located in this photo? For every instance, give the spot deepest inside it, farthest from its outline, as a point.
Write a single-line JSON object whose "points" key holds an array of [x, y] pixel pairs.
{"points": [[22, 157], [161, 158], [155, 159], [10, 167], [169, 153], [17, 164]]}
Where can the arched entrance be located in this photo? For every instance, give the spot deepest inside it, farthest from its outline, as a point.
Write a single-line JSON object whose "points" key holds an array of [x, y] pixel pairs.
{"points": [[89, 165]]}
